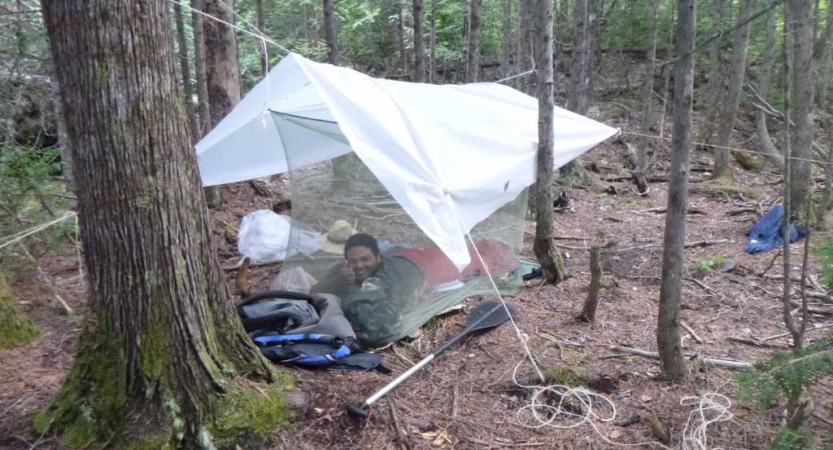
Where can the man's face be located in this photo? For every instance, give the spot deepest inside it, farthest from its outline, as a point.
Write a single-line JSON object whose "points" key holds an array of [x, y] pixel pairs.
{"points": [[363, 262]]}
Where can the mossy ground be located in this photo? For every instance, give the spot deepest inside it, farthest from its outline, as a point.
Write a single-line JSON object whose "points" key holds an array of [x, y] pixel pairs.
{"points": [[15, 327]]}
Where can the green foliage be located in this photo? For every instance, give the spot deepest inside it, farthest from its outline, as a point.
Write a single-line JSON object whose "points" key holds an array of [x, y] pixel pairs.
{"points": [[15, 327], [825, 250], [792, 440], [787, 375]]}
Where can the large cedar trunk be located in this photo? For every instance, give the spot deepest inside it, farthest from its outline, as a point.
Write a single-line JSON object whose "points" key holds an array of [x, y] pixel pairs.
{"points": [[330, 32], [473, 54], [158, 356], [419, 45], [669, 341], [730, 106], [802, 101], [547, 253], [714, 88]]}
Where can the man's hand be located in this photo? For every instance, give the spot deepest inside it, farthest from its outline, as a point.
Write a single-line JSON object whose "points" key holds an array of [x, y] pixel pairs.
{"points": [[347, 274]]}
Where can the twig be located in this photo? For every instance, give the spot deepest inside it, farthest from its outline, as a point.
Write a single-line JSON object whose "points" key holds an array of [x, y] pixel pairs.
{"points": [[771, 263], [686, 245], [709, 290], [628, 422], [454, 394], [753, 342], [737, 212], [810, 309], [401, 433], [785, 334], [663, 210], [710, 361], [691, 332], [823, 419], [253, 264], [48, 281]]}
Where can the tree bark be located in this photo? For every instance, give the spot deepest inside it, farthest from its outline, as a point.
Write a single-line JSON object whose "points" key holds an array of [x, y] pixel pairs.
{"points": [[552, 266], [581, 73], [400, 36], [63, 139], [730, 106], [715, 79], [506, 40], [648, 86], [200, 75], [772, 153], [588, 313], [432, 77], [185, 71], [159, 354], [802, 99], [419, 44], [473, 54], [261, 24], [222, 69], [526, 55], [669, 342], [825, 60], [330, 32]]}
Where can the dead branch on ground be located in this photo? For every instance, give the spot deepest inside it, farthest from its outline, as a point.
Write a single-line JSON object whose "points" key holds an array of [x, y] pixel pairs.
{"points": [[710, 361]]}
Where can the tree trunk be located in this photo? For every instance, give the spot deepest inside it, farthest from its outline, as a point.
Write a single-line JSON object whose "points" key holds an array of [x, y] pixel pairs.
{"points": [[158, 357], [526, 55], [15, 327], [400, 35], [648, 86], [802, 99], [473, 54], [669, 342], [715, 84], [771, 151], [185, 71], [506, 40], [825, 60], [330, 32], [578, 97], [63, 140], [730, 106], [261, 24], [433, 43], [200, 75], [588, 313], [222, 70], [562, 27], [547, 253], [419, 44]]}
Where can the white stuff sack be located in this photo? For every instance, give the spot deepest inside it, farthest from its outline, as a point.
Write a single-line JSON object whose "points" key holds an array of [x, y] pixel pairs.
{"points": [[264, 236]]}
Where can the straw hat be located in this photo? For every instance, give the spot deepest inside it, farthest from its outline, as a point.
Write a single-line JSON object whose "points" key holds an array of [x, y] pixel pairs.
{"points": [[334, 240]]}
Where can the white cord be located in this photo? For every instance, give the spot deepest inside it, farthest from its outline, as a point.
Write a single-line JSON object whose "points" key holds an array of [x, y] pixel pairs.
{"points": [[710, 408], [19, 236]]}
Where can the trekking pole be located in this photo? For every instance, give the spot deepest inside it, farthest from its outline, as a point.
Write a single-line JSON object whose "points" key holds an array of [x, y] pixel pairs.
{"points": [[488, 314]]}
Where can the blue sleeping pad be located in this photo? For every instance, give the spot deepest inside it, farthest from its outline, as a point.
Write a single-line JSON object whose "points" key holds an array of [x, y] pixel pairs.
{"points": [[765, 235]]}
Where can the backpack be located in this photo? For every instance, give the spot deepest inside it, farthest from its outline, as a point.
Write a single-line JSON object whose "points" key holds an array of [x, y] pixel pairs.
{"points": [[304, 330]]}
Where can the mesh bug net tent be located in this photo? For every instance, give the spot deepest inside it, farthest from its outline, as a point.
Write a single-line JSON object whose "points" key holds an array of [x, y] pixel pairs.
{"points": [[437, 175]]}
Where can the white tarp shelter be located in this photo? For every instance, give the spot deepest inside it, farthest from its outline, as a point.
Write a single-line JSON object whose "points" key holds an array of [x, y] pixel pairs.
{"points": [[450, 155]]}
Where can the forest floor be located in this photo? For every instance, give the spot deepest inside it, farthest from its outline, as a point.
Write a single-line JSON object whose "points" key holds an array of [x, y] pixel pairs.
{"points": [[466, 399]]}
